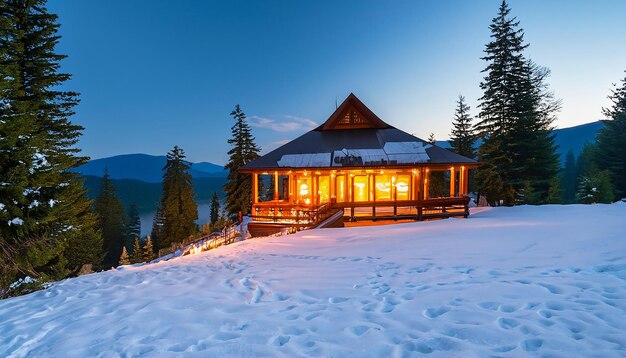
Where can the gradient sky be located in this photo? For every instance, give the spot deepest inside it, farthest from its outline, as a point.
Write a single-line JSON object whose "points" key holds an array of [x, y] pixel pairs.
{"points": [[155, 73]]}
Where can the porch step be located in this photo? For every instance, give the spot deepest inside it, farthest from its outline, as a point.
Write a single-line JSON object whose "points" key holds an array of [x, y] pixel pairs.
{"points": [[335, 220]]}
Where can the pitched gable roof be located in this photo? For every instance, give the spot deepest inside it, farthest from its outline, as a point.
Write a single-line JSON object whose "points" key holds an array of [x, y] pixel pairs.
{"points": [[343, 142], [351, 114]]}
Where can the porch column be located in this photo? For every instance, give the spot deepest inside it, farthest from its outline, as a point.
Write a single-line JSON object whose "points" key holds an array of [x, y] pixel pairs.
{"points": [[275, 185], [255, 188], [462, 183], [332, 187], [426, 183], [290, 190], [452, 180], [314, 188]]}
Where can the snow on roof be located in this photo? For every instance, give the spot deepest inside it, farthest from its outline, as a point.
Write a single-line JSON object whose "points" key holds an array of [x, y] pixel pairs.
{"points": [[407, 152], [391, 153], [305, 160]]}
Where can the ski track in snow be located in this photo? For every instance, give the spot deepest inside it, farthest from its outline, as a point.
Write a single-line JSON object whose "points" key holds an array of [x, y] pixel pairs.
{"points": [[508, 282]]}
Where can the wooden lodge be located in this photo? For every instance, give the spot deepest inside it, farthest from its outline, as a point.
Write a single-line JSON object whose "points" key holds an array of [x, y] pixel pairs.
{"points": [[354, 167]]}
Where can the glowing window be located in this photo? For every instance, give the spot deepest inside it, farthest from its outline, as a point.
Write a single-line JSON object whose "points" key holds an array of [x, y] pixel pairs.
{"points": [[304, 190], [361, 188], [341, 188], [383, 187], [324, 189], [403, 186]]}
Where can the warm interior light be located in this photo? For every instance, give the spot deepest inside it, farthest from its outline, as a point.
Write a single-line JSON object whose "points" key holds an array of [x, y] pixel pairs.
{"points": [[383, 187], [360, 185], [324, 189], [304, 190], [340, 188], [402, 187]]}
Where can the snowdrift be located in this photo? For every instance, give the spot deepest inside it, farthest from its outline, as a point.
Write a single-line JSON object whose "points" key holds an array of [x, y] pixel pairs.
{"points": [[520, 281]]}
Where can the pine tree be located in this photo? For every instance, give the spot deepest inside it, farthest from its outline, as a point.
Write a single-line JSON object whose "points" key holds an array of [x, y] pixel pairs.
{"points": [[148, 250], [111, 220], [537, 156], [244, 150], [595, 188], [462, 137], [431, 139], [586, 165], [157, 229], [554, 193], [516, 113], [215, 209], [133, 229], [137, 255], [123, 257], [611, 141], [45, 216], [568, 178], [179, 208]]}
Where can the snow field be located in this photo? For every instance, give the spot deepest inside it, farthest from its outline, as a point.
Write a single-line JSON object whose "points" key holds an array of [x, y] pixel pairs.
{"points": [[509, 282]]}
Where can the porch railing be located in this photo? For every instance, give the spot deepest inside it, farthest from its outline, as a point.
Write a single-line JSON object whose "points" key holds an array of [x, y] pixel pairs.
{"points": [[296, 215], [301, 216], [226, 236]]}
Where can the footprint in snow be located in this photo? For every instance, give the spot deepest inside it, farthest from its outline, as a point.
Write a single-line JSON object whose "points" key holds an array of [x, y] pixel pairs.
{"points": [[435, 312], [492, 306], [225, 336], [507, 308], [311, 316], [337, 299], [280, 341], [531, 345], [551, 288], [507, 323], [358, 330]]}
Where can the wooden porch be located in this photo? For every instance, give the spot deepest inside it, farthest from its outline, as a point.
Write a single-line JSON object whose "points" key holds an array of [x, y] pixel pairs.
{"points": [[303, 199]]}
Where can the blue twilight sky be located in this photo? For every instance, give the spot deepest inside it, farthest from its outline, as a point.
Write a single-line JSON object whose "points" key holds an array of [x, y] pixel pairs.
{"points": [[155, 73]]}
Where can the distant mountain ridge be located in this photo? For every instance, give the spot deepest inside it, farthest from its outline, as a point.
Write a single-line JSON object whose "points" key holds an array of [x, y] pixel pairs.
{"points": [[573, 138], [147, 195], [144, 167]]}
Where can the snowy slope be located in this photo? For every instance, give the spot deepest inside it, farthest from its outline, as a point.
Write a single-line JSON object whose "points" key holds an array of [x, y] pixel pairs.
{"points": [[508, 282]]}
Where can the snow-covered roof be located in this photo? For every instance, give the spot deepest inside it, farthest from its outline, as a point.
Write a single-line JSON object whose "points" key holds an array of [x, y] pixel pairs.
{"points": [[370, 142]]}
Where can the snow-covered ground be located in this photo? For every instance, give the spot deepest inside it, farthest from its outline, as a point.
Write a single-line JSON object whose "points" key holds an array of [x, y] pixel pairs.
{"points": [[520, 281]]}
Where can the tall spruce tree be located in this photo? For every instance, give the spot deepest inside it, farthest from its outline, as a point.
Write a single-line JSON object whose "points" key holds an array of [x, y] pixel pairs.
{"points": [[47, 228], [215, 209], [568, 178], [111, 221], [516, 113], [462, 137], [244, 150], [148, 250], [124, 260], [611, 141], [157, 229], [179, 208], [133, 229], [137, 253]]}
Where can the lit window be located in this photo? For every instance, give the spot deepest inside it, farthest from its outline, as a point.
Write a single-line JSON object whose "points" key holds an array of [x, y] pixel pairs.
{"points": [[402, 187], [304, 190], [361, 188], [341, 188], [324, 189], [383, 187]]}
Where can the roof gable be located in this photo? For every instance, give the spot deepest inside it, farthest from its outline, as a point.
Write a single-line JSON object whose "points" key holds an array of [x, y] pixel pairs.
{"points": [[353, 114]]}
